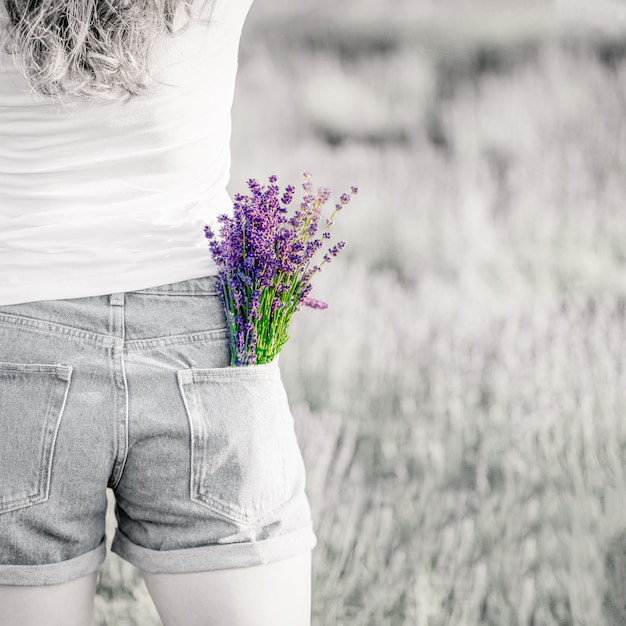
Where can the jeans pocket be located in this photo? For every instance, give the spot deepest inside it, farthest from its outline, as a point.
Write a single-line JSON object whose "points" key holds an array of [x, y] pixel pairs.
{"points": [[32, 401], [245, 459]]}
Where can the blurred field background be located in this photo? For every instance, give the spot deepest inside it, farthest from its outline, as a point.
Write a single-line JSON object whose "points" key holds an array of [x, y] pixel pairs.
{"points": [[460, 405]]}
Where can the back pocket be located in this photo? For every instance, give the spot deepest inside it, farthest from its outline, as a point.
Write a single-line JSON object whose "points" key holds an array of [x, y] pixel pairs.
{"points": [[32, 400], [245, 459]]}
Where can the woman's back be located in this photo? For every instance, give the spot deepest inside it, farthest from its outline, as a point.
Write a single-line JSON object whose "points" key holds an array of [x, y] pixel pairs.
{"points": [[106, 197], [115, 373]]}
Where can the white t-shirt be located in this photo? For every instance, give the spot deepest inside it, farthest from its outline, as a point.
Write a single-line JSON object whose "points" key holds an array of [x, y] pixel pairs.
{"points": [[108, 197]]}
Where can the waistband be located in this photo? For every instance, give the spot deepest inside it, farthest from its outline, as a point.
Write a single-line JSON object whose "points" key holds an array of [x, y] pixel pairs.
{"points": [[205, 285]]}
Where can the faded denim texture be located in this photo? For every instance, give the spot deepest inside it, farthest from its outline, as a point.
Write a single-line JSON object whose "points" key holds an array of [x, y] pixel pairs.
{"points": [[134, 391]]}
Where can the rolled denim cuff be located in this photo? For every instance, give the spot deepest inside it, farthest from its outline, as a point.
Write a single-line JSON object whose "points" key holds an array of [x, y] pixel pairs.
{"points": [[216, 556], [53, 573]]}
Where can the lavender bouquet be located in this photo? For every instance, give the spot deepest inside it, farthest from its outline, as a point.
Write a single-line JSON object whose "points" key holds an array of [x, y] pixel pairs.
{"points": [[266, 263]]}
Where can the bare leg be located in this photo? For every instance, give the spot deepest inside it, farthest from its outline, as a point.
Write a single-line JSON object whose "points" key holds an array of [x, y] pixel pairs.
{"points": [[276, 594], [69, 604]]}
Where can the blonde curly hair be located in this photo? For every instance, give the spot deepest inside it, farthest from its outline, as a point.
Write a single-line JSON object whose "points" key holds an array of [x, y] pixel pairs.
{"points": [[91, 49]]}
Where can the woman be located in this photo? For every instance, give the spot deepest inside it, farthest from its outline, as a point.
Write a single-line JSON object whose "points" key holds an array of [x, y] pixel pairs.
{"points": [[114, 362]]}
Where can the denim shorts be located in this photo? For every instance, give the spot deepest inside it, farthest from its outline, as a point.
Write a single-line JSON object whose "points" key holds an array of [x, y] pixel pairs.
{"points": [[134, 391]]}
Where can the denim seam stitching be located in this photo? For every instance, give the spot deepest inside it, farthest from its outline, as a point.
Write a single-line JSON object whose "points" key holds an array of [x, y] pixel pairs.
{"points": [[237, 514], [122, 464], [52, 328], [136, 345], [174, 293], [191, 437], [56, 429]]}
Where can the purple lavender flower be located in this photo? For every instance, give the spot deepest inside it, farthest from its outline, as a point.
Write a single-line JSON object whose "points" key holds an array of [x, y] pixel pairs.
{"points": [[314, 303], [265, 261]]}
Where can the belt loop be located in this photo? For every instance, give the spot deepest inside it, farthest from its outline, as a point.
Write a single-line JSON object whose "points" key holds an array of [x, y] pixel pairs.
{"points": [[116, 299]]}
